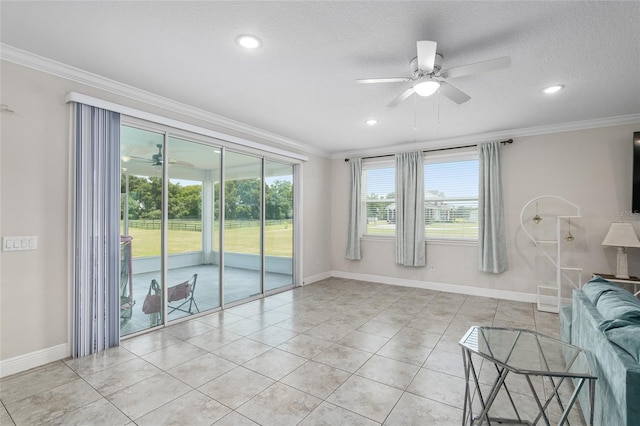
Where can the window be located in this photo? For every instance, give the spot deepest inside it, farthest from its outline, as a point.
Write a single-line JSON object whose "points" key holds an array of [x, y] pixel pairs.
{"points": [[379, 186], [450, 199], [451, 196]]}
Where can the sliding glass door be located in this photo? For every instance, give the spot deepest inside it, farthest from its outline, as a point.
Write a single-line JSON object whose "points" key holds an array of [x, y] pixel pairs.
{"points": [[242, 242], [193, 278], [140, 230], [178, 258], [278, 227]]}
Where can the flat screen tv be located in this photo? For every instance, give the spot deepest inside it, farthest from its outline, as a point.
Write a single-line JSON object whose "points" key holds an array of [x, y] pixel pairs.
{"points": [[636, 173]]}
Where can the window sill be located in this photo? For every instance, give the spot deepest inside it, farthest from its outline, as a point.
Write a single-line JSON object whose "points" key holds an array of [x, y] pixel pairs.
{"points": [[378, 237]]}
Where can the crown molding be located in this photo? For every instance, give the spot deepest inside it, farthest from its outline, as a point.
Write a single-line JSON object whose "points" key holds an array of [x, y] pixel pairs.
{"points": [[21, 57], [30, 60], [493, 136]]}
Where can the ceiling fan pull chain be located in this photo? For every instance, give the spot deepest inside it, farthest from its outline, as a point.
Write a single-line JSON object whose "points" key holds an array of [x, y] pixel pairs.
{"points": [[415, 118], [438, 109]]}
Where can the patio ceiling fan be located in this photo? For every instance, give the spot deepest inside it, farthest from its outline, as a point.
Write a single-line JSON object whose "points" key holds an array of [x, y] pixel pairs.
{"points": [[427, 75], [157, 159]]}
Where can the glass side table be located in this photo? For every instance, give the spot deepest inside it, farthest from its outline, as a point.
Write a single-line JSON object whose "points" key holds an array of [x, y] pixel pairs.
{"points": [[526, 353]]}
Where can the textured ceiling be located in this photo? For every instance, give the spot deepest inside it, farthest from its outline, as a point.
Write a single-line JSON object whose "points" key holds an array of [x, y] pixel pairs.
{"points": [[300, 84]]}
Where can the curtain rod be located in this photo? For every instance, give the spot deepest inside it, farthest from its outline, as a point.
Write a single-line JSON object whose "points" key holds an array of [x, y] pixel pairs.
{"points": [[434, 150]]}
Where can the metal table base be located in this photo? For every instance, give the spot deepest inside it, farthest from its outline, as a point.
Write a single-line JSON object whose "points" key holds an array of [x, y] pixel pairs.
{"points": [[486, 400]]}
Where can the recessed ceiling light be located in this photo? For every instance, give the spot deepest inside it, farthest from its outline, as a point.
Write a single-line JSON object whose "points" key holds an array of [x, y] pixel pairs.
{"points": [[553, 89], [372, 122], [248, 41]]}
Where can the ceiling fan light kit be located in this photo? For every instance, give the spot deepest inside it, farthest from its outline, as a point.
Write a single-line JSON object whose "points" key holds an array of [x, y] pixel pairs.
{"points": [[428, 76], [426, 87]]}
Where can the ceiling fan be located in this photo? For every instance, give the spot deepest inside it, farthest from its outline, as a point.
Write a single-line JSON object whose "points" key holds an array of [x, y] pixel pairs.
{"points": [[156, 159], [428, 76]]}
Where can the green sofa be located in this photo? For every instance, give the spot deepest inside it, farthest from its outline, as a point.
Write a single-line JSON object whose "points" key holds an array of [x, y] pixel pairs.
{"points": [[605, 320]]}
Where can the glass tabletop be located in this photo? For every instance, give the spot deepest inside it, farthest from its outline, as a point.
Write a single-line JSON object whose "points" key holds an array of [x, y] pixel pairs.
{"points": [[527, 352]]}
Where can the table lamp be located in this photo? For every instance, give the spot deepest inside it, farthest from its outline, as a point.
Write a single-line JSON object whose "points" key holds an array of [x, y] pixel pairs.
{"points": [[621, 235]]}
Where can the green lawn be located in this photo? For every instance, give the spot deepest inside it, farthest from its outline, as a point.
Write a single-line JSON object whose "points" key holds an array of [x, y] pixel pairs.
{"points": [[239, 238]]}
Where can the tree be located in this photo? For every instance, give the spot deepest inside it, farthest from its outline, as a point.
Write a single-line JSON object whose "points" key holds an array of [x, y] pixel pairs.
{"points": [[247, 195], [145, 199], [150, 197], [231, 200], [279, 200], [242, 199], [192, 200], [144, 195], [185, 202]]}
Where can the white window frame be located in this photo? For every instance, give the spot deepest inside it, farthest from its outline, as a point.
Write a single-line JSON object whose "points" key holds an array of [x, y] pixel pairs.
{"points": [[434, 157]]}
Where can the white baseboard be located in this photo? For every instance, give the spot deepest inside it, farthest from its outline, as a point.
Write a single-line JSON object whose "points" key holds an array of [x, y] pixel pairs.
{"points": [[317, 277], [451, 288], [33, 359]]}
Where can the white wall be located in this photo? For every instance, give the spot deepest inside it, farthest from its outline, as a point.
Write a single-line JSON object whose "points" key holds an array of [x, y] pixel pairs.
{"points": [[34, 200], [591, 168], [316, 199]]}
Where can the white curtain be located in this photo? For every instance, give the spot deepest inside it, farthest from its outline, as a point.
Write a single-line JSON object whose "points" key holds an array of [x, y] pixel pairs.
{"points": [[492, 245], [410, 244], [355, 209], [96, 301]]}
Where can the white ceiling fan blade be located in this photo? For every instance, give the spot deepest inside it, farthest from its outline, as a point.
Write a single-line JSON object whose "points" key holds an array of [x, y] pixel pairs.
{"points": [[426, 55], [479, 67], [456, 95], [403, 97], [383, 80]]}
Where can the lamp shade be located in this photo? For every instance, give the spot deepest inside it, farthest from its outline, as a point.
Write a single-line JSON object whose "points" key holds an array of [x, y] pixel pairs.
{"points": [[621, 234], [426, 87]]}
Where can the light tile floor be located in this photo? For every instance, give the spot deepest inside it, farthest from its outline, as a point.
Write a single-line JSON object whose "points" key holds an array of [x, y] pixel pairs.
{"points": [[337, 352]]}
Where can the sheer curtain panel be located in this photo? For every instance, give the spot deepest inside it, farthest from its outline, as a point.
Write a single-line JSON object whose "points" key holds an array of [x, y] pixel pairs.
{"points": [[492, 245], [410, 244], [355, 209], [96, 301]]}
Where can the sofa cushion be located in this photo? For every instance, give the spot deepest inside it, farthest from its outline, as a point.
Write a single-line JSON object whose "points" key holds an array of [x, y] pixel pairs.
{"points": [[619, 306], [596, 287], [628, 338], [607, 325]]}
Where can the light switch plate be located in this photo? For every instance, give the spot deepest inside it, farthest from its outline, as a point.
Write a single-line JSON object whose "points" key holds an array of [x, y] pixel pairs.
{"points": [[19, 243]]}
